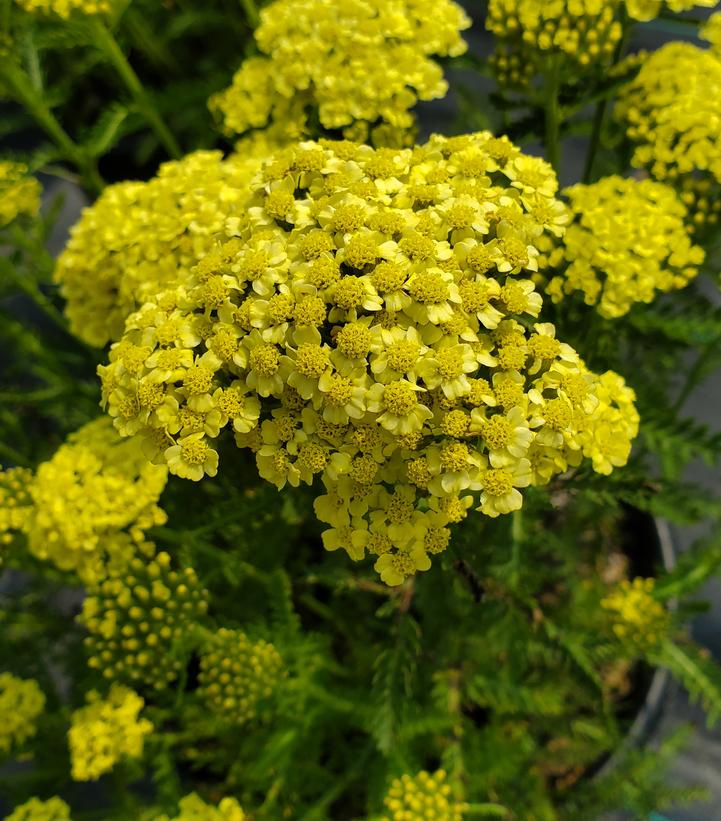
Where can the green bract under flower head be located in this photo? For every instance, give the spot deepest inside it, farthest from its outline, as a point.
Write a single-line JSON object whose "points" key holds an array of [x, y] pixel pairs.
{"points": [[370, 324], [358, 63], [628, 241]]}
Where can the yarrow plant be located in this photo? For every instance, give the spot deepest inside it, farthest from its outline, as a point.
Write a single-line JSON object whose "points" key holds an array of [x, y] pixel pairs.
{"points": [[337, 458]]}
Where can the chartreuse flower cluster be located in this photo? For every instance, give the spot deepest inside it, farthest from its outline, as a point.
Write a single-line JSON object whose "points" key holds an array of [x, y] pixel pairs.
{"points": [[141, 236], [671, 110], [66, 8], [105, 731], [648, 9], [702, 198], [19, 192], [236, 674], [357, 63], [21, 702], [137, 616], [89, 505], [193, 808], [420, 797], [54, 809], [368, 324], [628, 241], [529, 33], [638, 618]]}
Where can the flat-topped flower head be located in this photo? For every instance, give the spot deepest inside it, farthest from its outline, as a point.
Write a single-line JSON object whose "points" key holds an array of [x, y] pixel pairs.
{"points": [[639, 620], [139, 237], [87, 508], [137, 615], [54, 809], [387, 352], [368, 63], [628, 241], [19, 192], [193, 808], [670, 110], [422, 796], [21, 703], [68, 8], [105, 731]]}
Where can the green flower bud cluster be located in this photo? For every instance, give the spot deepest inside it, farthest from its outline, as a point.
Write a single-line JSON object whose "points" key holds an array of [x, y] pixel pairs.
{"points": [[135, 616], [236, 673]]}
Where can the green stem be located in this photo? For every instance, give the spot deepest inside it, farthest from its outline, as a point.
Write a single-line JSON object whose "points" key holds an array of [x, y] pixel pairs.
{"points": [[602, 106], [251, 12], [25, 93], [111, 48], [553, 116], [157, 51], [32, 290]]}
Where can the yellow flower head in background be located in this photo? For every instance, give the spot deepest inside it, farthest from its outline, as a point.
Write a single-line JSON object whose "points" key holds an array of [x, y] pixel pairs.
{"points": [[137, 615], [420, 797], [628, 241], [237, 673], [638, 618], [671, 111], [359, 63], [370, 323], [579, 33], [65, 8], [141, 236], [15, 503], [54, 809], [193, 808], [106, 731], [19, 193], [648, 9], [21, 702], [92, 501]]}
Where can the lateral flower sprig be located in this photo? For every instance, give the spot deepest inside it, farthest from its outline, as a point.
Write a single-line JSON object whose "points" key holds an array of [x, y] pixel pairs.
{"points": [[368, 324]]}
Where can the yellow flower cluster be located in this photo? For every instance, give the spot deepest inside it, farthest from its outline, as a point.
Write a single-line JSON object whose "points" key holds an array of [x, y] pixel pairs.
{"points": [[136, 615], [628, 240], [19, 193], [236, 673], [106, 731], [423, 796], [193, 808], [54, 809], [702, 199], [21, 702], [65, 8], [529, 33], [711, 31], [358, 63], [671, 111], [638, 617], [140, 236], [369, 324], [648, 9], [91, 502], [15, 502]]}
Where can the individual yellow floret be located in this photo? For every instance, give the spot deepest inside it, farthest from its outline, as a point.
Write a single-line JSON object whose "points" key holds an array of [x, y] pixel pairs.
{"points": [[19, 193], [361, 64], [628, 241], [638, 618], [372, 329], [92, 501], [670, 111], [193, 808], [21, 702], [141, 236], [236, 673], [106, 731], [137, 615], [422, 796], [54, 809]]}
